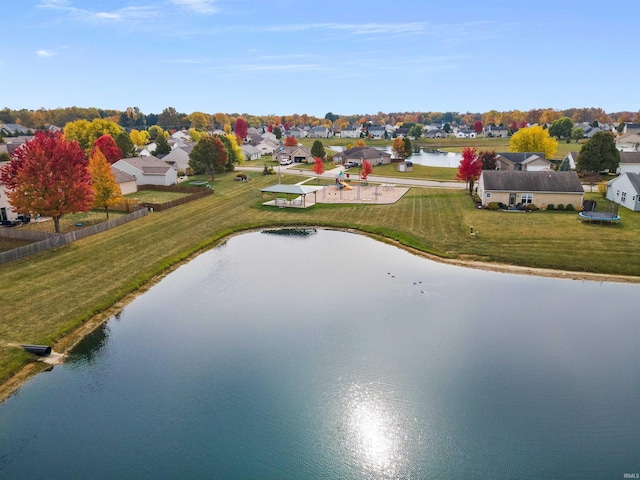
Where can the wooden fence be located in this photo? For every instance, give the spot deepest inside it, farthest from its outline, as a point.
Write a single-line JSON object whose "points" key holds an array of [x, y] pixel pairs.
{"points": [[195, 194], [45, 241]]}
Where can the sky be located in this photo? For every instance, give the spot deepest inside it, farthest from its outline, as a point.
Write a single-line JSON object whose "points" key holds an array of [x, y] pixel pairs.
{"points": [[348, 57]]}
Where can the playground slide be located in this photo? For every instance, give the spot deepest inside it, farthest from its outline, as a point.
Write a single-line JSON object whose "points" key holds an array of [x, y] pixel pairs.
{"points": [[345, 186]]}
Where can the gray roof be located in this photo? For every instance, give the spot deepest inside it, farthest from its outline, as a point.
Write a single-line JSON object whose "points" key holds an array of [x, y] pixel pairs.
{"points": [[291, 189], [363, 152], [527, 181], [634, 178], [122, 177], [519, 157], [629, 157]]}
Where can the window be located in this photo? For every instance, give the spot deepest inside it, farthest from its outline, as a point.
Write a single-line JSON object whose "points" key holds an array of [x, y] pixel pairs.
{"points": [[488, 194], [527, 198], [623, 197]]}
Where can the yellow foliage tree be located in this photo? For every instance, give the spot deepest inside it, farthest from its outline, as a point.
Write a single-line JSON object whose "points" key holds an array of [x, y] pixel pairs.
{"points": [[199, 120], [360, 143], [227, 128], [106, 190], [139, 138], [78, 131], [86, 133], [195, 135], [534, 139], [238, 153]]}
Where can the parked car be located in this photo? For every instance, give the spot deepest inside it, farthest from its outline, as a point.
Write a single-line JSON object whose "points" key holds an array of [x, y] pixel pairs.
{"points": [[350, 164], [286, 161]]}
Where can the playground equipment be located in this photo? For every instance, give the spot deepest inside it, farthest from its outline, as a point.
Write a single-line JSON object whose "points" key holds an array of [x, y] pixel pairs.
{"points": [[344, 185]]}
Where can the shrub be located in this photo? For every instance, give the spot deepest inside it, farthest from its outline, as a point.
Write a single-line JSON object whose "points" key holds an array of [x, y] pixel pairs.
{"points": [[560, 207], [531, 207], [550, 206], [602, 188], [492, 205], [569, 207]]}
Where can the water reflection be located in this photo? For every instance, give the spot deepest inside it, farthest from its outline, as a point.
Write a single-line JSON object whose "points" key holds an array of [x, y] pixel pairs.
{"points": [[375, 435], [90, 348]]}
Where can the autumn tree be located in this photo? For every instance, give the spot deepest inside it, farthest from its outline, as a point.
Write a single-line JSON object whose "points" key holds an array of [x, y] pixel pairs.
{"points": [[170, 118], [48, 176], [317, 149], [155, 131], [291, 142], [367, 168], [398, 147], [318, 166], [140, 137], [598, 154], [108, 147], [241, 130], [234, 153], [416, 131], [488, 160], [125, 145], [470, 167], [86, 133], [277, 131], [208, 156], [199, 120], [533, 139], [360, 143], [106, 191], [477, 126]]}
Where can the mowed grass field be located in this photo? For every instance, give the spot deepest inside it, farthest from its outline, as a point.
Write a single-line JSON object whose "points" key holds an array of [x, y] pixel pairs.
{"points": [[46, 296]]}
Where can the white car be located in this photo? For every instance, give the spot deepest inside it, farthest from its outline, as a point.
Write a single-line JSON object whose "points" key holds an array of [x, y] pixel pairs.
{"points": [[286, 161]]}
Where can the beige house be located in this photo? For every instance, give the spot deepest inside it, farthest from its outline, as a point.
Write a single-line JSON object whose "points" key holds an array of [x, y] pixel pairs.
{"points": [[126, 182], [360, 154], [529, 161], [517, 189]]}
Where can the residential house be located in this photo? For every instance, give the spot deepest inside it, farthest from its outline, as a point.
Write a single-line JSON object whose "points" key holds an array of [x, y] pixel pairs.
{"points": [[465, 133], [631, 128], [267, 146], [360, 154], [125, 181], [270, 136], [148, 170], [401, 132], [13, 129], [628, 143], [319, 132], [629, 162], [435, 133], [296, 132], [147, 150], [179, 157], [522, 161], [495, 131], [296, 154], [519, 188], [625, 190], [351, 132], [377, 132], [6, 210], [250, 152]]}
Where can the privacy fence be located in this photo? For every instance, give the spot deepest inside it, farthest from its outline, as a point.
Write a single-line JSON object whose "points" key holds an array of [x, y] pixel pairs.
{"points": [[195, 193], [45, 241]]}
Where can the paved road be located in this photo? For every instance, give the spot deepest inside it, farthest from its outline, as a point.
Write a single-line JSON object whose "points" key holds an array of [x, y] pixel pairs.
{"points": [[410, 182]]}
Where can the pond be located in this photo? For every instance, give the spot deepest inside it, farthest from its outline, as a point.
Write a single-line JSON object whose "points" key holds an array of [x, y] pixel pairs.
{"points": [[332, 355], [427, 157]]}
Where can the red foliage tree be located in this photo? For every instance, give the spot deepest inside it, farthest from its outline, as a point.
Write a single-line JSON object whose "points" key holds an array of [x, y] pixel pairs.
{"points": [[291, 142], [470, 167], [270, 128], [477, 126], [48, 176], [367, 168], [318, 166], [241, 129], [513, 127], [108, 147]]}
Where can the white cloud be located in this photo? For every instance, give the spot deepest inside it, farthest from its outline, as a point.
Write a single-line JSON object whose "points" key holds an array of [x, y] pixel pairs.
{"points": [[46, 53], [199, 6], [121, 14]]}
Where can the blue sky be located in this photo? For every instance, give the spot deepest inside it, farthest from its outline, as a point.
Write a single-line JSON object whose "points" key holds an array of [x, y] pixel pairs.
{"points": [[306, 56]]}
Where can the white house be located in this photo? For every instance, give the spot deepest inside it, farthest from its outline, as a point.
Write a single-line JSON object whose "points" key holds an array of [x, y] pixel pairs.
{"points": [[267, 146], [6, 210], [250, 152], [629, 162], [531, 161], [625, 190], [351, 132], [126, 182], [464, 133], [179, 157], [148, 170]]}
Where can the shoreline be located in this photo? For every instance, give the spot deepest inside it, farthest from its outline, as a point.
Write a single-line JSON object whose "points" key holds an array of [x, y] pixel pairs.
{"points": [[12, 385]]}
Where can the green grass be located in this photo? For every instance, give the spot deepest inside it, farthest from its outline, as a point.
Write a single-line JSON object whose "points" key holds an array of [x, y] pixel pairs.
{"points": [[443, 174], [70, 222], [47, 295], [153, 196]]}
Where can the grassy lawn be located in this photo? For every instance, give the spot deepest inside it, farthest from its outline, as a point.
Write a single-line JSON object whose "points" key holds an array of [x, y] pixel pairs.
{"points": [[152, 196], [70, 222], [443, 174], [9, 244], [49, 294]]}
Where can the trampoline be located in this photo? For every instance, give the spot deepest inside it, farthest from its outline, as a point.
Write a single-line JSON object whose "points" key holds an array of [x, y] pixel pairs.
{"points": [[602, 217]]}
